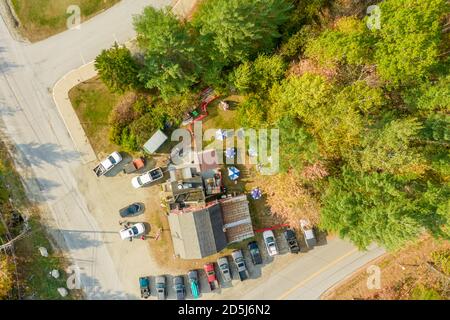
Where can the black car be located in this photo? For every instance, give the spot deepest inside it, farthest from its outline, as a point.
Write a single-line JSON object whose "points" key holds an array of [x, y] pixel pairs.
{"points": [[255, 253], [132, 210], [291, 239]]}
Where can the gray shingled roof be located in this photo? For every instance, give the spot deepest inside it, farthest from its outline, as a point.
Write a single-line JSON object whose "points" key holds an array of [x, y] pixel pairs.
{"points": [[198, 234]]}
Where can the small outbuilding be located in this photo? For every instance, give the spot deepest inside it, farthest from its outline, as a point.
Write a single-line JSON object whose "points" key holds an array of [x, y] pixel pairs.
{"points": [[155, 142]]}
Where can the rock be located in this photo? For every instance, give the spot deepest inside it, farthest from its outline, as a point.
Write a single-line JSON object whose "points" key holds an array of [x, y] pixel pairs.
{"points": [[43, 252], [55, 273], [63, 292]]}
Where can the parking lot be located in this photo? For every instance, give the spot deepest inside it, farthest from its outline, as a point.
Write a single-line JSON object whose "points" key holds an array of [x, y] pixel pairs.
{"points": [[108, 194]]}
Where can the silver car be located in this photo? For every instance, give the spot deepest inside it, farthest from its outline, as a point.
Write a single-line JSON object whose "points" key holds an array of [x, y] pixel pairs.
{"points": [[224, 268], [160, 284]]}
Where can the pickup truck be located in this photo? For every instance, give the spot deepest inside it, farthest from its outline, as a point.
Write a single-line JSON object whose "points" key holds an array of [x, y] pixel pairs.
{"points": [[224, 268], [144, 284], [147, 178], [291, 239], [195, 285], [110, 162], [308, 233], [178, 287], [239, 261], [211, 275]]}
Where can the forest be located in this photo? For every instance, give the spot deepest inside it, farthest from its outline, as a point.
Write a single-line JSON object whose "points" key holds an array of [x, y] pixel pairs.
{"points": [[361, 100]]}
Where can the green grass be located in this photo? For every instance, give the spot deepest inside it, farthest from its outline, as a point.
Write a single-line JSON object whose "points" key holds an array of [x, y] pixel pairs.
{"points": [[93, 103], [43, 18]]}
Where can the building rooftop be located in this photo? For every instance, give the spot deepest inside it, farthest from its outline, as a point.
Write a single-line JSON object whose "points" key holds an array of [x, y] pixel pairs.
{"points": [[198, 234], [236, 218]]}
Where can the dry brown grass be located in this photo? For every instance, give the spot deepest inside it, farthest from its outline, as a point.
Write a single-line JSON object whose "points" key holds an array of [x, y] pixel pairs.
{"points": [[401, 273]]}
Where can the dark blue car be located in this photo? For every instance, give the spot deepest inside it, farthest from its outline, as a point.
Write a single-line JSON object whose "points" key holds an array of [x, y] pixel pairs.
{"points": [[132, 210], [255, 253]]}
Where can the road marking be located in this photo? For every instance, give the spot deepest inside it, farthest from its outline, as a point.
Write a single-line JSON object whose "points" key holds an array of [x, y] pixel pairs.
{"points": [[284, 295]]}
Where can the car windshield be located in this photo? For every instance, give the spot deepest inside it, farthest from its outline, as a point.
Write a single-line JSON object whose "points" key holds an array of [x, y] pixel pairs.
{"points": [[240, 265], [210, 273], [113, 161], [139, 181], [135, 230]]}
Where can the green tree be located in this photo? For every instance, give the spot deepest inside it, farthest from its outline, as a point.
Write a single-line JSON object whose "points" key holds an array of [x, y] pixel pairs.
{"points": [[376, 207], [437, 127], [430, 96], [408, 41], [239, 29], [349, 42], [297, 146], [295, 45], [143, 128], [171, 62], [259, 76], [322, 111], [391, 149], [117, 69], [252, 113]]}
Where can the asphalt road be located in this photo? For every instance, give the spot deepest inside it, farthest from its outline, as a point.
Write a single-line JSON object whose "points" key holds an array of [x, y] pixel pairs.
{"points": [[47, 157], [49, 161]]}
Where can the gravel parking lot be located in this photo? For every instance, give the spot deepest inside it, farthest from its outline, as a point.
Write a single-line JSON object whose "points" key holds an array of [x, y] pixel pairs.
{"points": [[106, 195]]}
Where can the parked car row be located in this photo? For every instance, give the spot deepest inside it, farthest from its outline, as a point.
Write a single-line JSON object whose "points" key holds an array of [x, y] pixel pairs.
{"points": [[193, 276]]}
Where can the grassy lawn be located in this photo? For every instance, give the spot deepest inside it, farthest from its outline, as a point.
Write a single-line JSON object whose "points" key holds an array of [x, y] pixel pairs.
{"points": [[43, 18], [93, 103], [33, 270]]}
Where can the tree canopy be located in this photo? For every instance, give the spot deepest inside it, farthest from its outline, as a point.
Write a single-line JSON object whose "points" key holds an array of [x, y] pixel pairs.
{"points": [[170, 52], [239, 29], [117, 69]]}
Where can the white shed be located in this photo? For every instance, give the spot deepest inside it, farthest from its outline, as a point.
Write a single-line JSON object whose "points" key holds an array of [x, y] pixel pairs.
{"points": [[155, 142]]}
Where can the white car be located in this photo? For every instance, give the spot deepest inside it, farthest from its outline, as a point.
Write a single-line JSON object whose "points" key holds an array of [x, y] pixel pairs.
{"points": [[269, 241], [147, 178], [132, 232]]}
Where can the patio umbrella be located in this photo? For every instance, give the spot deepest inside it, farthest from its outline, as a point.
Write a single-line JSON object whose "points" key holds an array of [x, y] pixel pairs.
{"points": [[230, 153], [256, 193], [233, 173]]}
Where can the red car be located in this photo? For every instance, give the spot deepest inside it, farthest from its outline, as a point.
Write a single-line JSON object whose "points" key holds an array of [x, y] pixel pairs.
{"points": [[211, 274]]}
